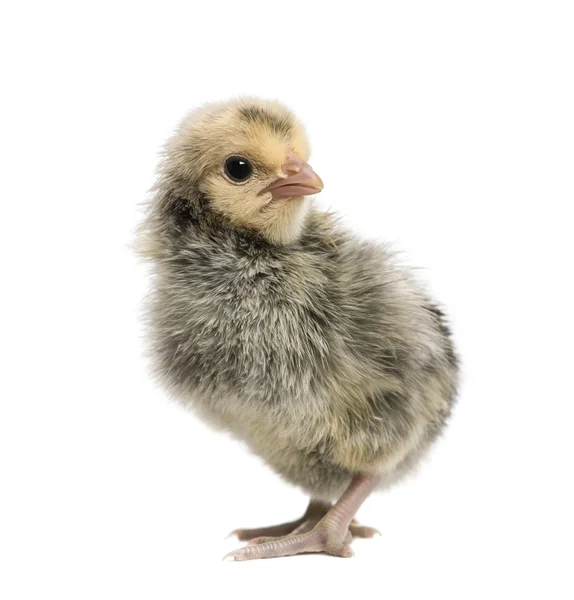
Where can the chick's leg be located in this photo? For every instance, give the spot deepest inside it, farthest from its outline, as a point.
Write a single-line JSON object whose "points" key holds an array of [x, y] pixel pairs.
{"points": [[330, 535], [315, 511]]}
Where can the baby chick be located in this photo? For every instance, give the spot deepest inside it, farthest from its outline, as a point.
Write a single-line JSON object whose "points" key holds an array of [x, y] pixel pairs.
{"points": [[278, 325]]}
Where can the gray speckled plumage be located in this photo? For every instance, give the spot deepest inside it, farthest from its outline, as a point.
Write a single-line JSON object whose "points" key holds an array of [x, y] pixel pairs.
{"points": [[321, 354]]}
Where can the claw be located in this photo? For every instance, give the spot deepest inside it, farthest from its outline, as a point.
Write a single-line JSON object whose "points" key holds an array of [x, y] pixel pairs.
{"points": [[229, 557], [235, 532]]}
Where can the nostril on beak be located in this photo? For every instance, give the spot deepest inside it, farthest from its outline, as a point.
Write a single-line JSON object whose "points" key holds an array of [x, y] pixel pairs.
{"points": [[292, 168]]}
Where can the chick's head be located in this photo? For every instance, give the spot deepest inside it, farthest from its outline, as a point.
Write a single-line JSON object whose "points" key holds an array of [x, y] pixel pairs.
{"points": [[247, 161]]}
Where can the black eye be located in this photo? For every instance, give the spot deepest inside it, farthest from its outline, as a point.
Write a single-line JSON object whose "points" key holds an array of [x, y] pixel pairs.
{"points": [[238, 168]]}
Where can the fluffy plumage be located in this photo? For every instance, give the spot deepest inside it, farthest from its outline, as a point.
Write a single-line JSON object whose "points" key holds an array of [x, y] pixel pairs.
{"points": [[276, 323]]}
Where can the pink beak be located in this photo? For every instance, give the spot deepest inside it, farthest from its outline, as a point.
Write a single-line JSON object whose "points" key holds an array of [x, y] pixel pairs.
{"points": [[299, 180]]}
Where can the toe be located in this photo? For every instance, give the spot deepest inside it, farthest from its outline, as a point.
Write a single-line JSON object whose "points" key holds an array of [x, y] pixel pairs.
{"points": [[317, 540], [244, 535], [360, 531], [261, 540], [270, 549]]}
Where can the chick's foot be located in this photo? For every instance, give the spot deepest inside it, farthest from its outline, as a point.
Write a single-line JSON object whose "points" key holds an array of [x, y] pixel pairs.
{"points": [[322, 528], [319, 539]]}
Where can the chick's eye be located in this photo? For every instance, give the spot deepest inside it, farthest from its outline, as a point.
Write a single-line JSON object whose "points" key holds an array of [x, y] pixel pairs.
{"points": [[238, 168]]}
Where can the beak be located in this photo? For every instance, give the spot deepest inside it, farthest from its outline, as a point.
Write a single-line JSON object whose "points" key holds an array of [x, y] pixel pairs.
{"points": [[299, 180]]}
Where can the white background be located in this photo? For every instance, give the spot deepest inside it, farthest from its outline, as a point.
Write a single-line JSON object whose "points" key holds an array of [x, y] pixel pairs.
{"points": [[444, 127]]}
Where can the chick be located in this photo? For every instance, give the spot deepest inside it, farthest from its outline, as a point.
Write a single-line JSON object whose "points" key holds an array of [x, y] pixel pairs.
{"points": [[280, 326]]}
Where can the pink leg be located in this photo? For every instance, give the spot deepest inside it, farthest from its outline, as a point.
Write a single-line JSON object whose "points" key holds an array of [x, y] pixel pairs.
{"points": [[331, 534]]}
